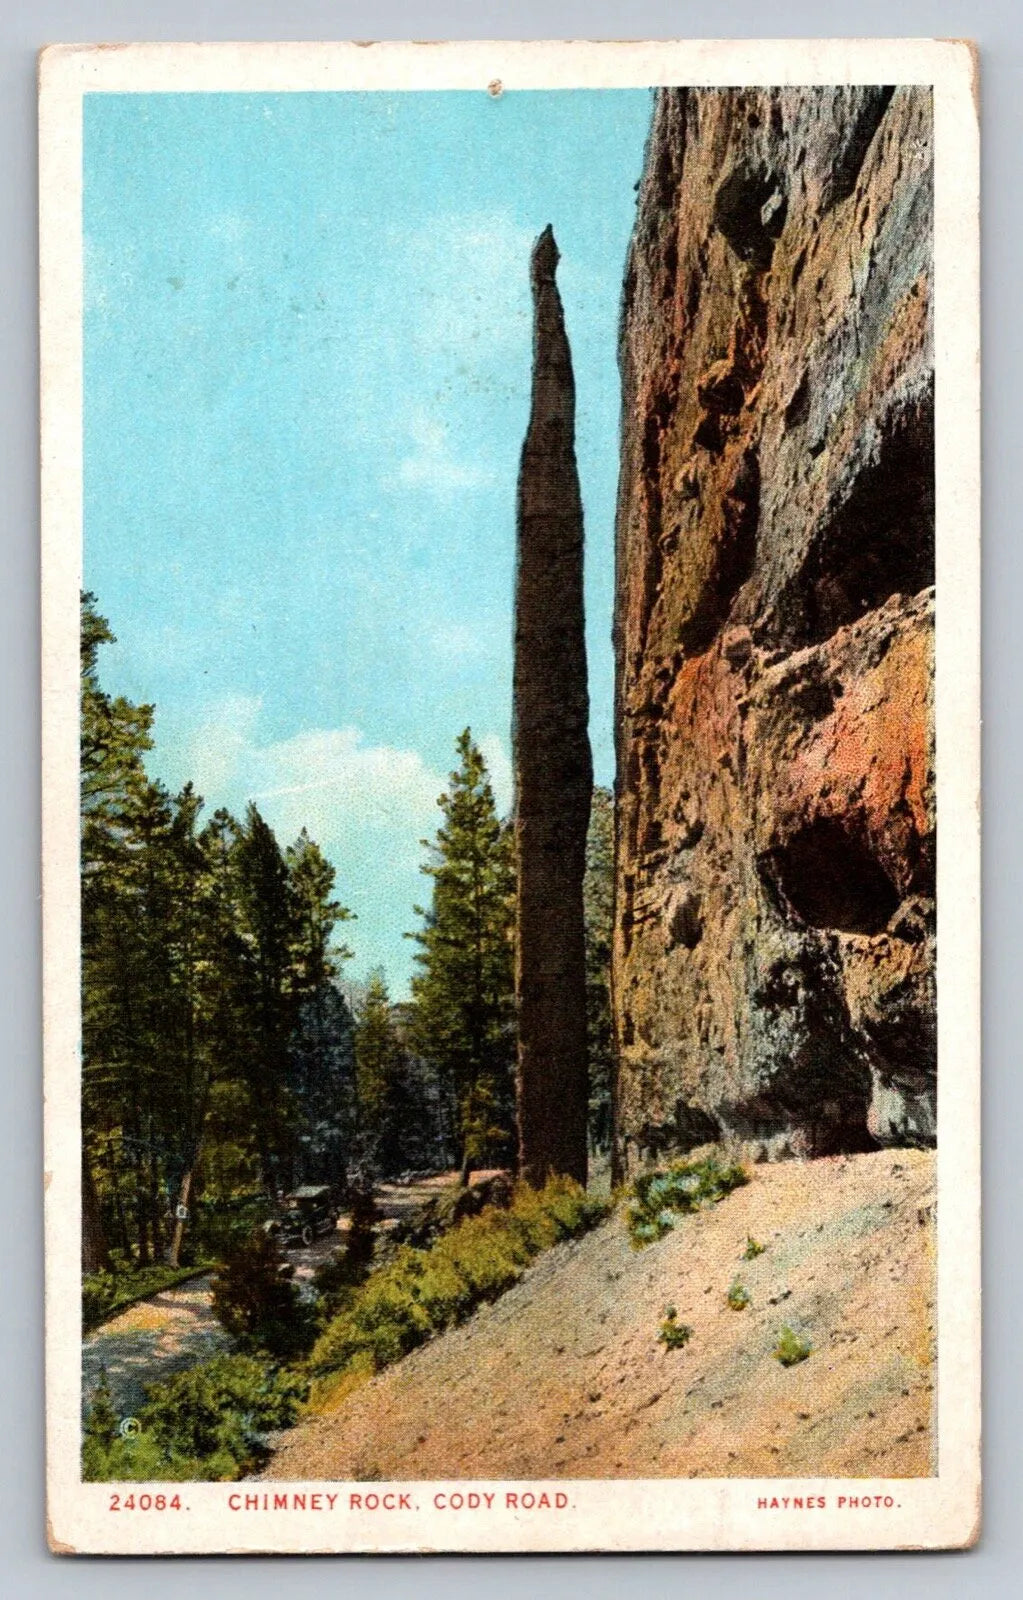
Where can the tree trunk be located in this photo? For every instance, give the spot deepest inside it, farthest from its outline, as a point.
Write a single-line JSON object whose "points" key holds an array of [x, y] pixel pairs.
{"points": [[141, 1225], [95, 1257], [553, 766], [115, 1184], [156, 1209], [184, 1198], [141, 1202]]}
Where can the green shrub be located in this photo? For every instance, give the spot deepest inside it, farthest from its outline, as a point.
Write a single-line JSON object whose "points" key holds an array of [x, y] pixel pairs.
{"points": [[102, 1425], [335, 1279], [753, 1249], [532, 1218], [489, 1252], [221, 1227], [659, 1198], [791, 1347], [419, 1292], [338, 1345], [99, 1291], [673, 1334], [738, 1296], [142, 1460], [387, 1314], [573, 1210], [334, 1285], [359, 1247], [443, 1291], [256, 1302], [205, 1423], [187, 1411]]}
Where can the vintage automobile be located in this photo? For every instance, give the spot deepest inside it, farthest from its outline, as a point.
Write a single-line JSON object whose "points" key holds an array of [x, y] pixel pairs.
{"points": [[304, 1215]]}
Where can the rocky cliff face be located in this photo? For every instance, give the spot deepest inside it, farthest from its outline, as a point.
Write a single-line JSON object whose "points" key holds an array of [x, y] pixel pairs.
{"points": [[775, 922]]}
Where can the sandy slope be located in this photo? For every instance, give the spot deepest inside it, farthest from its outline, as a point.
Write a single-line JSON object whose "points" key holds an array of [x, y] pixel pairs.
{"points": [[565, 1377]]}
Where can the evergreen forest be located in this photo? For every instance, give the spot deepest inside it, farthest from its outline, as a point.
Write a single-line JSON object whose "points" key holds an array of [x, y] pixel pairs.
{"points": [[226, 1060]]}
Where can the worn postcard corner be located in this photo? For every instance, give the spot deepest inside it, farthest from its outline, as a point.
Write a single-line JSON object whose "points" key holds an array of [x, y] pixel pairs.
{"points": [[511, 629]]}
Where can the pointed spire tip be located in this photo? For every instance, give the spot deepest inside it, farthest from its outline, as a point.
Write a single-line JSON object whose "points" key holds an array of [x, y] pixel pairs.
{"points": [[545, 257]]}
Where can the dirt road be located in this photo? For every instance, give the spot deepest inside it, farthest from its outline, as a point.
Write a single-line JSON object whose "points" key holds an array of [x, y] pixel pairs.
{"points": [[151, 1339], [565, 1377]]}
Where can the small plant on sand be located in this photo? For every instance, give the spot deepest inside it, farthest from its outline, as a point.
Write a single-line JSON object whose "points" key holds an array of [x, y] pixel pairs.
{"points": [[659, 1198], [673, 1334], [753, 1248], [739, 1296], [791, 1347]]}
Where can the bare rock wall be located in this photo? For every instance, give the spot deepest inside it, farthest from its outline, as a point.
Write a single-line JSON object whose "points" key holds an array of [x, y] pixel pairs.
{"points": [[775, 916]]}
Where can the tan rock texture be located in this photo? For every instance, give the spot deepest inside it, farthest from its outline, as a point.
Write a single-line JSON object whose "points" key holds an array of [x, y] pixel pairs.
{"points": [[774, 964]]}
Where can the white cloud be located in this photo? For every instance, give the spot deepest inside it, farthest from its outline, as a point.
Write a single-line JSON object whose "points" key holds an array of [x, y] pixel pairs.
{"points": [[222, 742], [231, 226], [455, 296], [432, 465], [325, 779], [447, 325], [368, 806], [457, 641], [330, 781]]}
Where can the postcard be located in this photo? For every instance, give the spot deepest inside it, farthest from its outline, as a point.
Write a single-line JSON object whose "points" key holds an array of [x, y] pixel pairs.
{"points": [[510, 631]]}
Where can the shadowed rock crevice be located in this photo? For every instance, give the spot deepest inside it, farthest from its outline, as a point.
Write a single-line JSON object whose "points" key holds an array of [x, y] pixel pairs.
{"points": [[735, 555], [749, 209], [865, 122], [827, 878], [877, 540]]}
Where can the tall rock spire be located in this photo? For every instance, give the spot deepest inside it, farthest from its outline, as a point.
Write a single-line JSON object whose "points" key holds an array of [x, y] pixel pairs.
{"points": [[553, 766]]}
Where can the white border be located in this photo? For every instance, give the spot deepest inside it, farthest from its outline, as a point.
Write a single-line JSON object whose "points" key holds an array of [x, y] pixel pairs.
{"points": [[615, 1514]]}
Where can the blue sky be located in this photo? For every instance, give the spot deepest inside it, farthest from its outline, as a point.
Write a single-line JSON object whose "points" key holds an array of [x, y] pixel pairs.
{"points": [[307, 365]]}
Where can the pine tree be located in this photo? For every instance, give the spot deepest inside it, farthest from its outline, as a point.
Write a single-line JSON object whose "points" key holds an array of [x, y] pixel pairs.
{"points": [[200, 974], [210, 1014], [314, 956], [464, 991], [322, 1068], [102, 1424], [269, 928], [122, 816], [95, 1254], [378, 1073], [321, 1051]]}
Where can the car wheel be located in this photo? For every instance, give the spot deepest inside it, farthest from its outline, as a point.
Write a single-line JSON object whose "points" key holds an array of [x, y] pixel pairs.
{"points": [[307, 1235]]}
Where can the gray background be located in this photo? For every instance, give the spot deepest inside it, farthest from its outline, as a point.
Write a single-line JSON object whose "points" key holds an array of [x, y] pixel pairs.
{"points": [[994, 1568]]}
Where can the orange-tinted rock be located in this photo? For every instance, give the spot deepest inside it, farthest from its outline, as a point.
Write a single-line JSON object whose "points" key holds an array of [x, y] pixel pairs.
{"points": [[774, 958]]}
